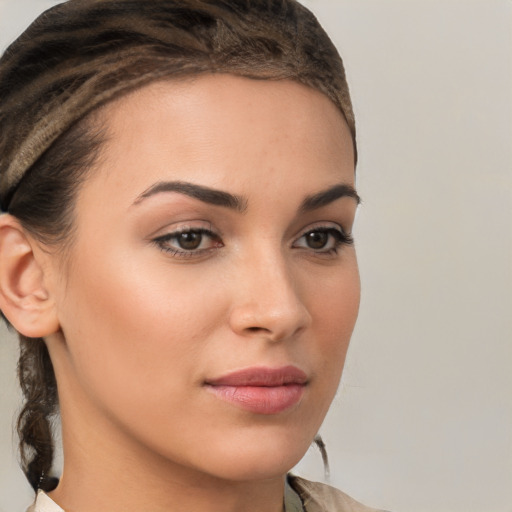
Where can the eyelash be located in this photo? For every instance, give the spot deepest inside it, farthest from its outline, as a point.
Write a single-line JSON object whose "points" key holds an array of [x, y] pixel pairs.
{"points": [[338, 235]]}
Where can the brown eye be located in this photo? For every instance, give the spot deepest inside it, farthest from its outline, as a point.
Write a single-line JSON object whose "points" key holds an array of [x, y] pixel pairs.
{"points": [[190, 240], [317, 239], [323, 239]]}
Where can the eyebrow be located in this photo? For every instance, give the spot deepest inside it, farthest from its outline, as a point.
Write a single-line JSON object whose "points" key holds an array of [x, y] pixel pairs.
{"points": [[328, 196], [204, 194], [239, 203]]}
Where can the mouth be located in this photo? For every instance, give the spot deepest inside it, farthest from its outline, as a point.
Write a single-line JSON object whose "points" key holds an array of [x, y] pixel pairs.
{"points": [[261, 390]]}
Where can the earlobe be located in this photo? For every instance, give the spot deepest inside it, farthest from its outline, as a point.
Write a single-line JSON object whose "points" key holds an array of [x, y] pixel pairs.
{"points": [[24, 298]]}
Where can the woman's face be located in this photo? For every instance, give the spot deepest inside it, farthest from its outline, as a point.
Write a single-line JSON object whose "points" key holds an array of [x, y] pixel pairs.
{"points": [[211, 289]]}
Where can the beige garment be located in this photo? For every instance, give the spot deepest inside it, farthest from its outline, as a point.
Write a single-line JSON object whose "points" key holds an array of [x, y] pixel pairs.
{"points": [[318, 497], [300, 496]]}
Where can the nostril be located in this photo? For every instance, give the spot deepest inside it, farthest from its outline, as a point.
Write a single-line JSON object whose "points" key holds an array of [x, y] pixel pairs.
{"points": [[256, 329]]}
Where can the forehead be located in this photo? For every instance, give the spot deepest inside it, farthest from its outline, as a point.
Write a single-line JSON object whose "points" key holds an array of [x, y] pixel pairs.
{"points": [[219, 129]]}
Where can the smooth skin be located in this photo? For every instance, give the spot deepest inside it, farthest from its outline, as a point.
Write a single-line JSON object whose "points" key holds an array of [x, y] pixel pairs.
{"points": [[160, 292]]}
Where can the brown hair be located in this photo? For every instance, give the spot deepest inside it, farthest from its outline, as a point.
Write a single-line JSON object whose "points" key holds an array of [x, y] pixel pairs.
{"points": [[83, 53]]}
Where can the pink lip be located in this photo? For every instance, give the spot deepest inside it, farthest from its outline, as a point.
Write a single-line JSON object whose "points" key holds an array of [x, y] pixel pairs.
{"points": [[261, 390]]}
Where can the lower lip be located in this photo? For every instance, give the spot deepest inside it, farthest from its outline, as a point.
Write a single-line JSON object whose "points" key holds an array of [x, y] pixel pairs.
{"points": [[260, 399]]}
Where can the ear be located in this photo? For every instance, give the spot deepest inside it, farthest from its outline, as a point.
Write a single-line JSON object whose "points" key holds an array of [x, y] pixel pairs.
{"points": [[24, 299]]}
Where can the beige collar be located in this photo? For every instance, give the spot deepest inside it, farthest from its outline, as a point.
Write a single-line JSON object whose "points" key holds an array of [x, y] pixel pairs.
{"points": [[44, 503]]}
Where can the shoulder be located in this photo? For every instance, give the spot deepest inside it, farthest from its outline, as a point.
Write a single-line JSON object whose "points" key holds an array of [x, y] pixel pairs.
{"points": [[318, 497]]}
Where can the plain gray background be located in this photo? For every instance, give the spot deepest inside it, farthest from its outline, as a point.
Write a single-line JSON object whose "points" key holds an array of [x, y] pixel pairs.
{"points": [[423, 418]]}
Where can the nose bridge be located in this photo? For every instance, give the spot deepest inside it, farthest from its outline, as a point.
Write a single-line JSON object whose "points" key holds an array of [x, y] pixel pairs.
{"points": [[268, 301]]}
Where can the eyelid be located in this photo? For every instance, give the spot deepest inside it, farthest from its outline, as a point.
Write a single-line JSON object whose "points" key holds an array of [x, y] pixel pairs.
{"points": [[322, 225], [181, 226]]}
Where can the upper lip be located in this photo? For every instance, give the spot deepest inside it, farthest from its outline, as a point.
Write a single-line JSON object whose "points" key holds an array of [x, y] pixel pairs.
{"points": [[261, 376]]}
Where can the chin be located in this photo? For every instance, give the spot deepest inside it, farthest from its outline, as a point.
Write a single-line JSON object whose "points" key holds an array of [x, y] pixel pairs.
{"points": [[263, 467], [263, 457]]}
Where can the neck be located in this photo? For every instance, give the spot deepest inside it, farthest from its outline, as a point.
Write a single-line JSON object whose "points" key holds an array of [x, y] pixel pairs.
{"points": [[103, 473], [101, 493]]}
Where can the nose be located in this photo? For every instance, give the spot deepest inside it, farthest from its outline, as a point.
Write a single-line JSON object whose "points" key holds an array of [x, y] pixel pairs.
{"points": [[267, 303]]}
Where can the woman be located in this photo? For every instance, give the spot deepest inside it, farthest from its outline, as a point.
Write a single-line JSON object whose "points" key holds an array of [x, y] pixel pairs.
{"points": [[178, 182]]}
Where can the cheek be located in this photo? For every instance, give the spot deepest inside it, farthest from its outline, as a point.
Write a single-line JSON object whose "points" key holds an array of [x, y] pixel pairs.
{"points": [[334, 299], [334, 307], [133, 329]]}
